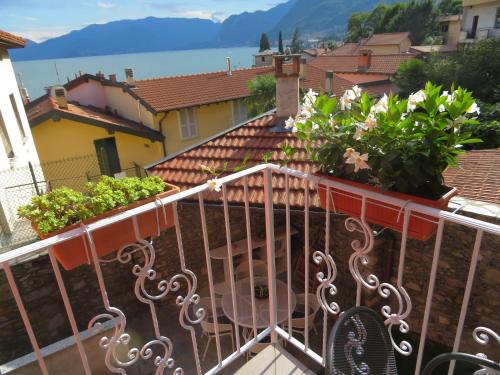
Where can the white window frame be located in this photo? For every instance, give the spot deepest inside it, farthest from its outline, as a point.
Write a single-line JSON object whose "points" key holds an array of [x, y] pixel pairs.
{"points": [[191, 127], [240, 113], [6, 141]]}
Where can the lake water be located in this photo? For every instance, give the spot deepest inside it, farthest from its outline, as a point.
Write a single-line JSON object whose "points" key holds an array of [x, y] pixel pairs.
{"points": [[38, 74]]}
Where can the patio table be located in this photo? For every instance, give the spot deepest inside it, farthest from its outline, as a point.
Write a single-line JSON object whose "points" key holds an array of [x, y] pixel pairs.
{"points": [[244, 304]]}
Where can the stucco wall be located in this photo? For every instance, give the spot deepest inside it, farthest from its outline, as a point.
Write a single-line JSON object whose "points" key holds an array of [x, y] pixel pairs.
{"points": [[486, 12]]}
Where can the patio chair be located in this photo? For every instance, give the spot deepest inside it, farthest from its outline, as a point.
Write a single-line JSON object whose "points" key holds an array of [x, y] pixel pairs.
{"points": [[208, 328], [464, 357], [298, 321], [360, 344]]}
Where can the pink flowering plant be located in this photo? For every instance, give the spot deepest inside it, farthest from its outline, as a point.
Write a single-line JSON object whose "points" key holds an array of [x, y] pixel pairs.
{"points": [[398, 144]]}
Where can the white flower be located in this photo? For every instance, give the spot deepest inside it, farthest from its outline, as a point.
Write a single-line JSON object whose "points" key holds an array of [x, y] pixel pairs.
{"points": [[347, 99], [358, 134], [294, 129], [307, 111], [310, 98], [350, 152], [370, 122], [414, 99], [214, 184], [441, 108], [315, 126], [403, 116], [474, 108], [289, 123], [357, 91], [359, 162], [332, 121], [381, 106]]}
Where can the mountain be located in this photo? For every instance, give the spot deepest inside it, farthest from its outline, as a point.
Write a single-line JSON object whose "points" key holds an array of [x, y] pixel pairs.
{"points": [[127, 36], [246, 28], [316, 18]]}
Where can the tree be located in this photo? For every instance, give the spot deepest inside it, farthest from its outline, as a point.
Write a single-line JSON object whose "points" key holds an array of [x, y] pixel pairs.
{"points": [[262, 95], [450, 7], [297, 44], [355, 27], [280, 43], [264, 43], [411, 76]]}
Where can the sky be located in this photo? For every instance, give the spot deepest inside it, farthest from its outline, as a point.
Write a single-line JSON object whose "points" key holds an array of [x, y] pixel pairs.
{"points": [[39, 20]]}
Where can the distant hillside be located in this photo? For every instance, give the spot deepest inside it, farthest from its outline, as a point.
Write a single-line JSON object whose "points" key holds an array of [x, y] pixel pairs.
{"points": [[314, 18], [127, 36]]}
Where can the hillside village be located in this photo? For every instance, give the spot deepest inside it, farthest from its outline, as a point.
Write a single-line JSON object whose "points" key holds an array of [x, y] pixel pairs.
{"points": [[246, 201]]}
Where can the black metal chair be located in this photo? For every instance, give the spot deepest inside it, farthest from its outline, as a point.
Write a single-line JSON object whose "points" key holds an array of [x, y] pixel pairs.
{"points": [[464, 357], [359, 344]]}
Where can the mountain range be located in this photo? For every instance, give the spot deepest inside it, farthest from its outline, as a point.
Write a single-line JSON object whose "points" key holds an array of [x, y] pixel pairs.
{"points": [[316, 18]]}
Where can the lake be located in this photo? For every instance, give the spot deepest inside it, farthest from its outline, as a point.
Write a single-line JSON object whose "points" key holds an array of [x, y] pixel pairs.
{"points": [[37, 74]]}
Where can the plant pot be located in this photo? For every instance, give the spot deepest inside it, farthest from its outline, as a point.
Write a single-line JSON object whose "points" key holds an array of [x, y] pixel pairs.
{"points": [[384, 214], [73, 253]]}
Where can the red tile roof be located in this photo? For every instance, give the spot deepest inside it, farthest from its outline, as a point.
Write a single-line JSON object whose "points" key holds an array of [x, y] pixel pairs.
{"points": [[169, 93], [347, 49], [383, 64], [11, 40], [386, 38], [477, 176], [46, 107]]}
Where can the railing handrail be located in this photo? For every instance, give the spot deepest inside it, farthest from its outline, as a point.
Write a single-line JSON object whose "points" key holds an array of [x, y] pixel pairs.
{"points": [[415, 207]]}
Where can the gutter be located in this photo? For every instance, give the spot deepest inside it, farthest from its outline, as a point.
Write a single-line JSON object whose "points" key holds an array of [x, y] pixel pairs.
{"points": [[160, 125]]}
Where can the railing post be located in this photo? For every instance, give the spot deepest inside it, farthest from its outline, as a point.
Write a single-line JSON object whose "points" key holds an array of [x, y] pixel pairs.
{"points": [[32, 171], [270, 247]]}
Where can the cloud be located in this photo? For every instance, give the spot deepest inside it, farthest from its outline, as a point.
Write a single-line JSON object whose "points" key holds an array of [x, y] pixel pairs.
{"points": [[40, 35], [28, 18], [204, 14], [105, 5]]}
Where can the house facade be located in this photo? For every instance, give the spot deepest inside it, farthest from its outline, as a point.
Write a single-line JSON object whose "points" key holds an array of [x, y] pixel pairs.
{"points": [[480, 20], [378, 44], [17, 149]]}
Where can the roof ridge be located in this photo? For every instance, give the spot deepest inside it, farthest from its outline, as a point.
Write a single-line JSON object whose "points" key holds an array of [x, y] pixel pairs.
{"points": [[204, 73]]}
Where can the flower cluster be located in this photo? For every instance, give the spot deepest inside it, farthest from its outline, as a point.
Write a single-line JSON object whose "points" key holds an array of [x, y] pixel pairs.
{"points": [[399, 144]]}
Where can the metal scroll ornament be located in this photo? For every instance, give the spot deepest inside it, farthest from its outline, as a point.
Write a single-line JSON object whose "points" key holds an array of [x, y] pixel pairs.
{"points": [[483, 335], [326, 285]]}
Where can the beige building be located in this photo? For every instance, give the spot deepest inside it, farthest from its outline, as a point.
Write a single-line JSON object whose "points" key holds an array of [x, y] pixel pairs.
{"points": [[450, 27], [379, 44], [264, 58]]}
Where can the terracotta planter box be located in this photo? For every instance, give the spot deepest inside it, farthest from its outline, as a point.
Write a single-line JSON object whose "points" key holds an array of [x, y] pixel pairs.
{"points": [[383, 214], [72, 253]]}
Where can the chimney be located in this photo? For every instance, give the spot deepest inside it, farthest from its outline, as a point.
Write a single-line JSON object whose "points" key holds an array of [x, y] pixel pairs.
{"points": [[59, 93], [229, 68], [112, 77], [129, 76], [100, 75], [364, 59], [287, 86], [303, 68], [329, 81], [24, 95]]}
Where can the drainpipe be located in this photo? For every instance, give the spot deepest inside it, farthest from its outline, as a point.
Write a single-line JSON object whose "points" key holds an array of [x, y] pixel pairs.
{"points": [[161, 132]]}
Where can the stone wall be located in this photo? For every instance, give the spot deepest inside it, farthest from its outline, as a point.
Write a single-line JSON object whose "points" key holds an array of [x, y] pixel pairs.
{"points": [[42, 299]]}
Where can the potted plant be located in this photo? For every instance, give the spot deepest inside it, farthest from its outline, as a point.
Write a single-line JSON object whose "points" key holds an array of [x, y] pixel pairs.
{"points": [[64, 209], [394, 146]]}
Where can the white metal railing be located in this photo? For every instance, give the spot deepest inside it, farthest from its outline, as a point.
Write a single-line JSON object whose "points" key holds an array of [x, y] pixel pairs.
{"points": [[162, 346]]}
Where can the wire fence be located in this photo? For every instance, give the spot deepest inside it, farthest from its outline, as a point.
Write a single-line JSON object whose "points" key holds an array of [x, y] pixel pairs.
{"points": [[19, 184]]}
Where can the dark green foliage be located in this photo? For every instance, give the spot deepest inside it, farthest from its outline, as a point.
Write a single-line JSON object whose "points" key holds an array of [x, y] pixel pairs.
{"points": [[419, 17], [411, 75], [297, 44], [264, 43], [488, 129], [64, 206], [450, 7], [262, 95], [280, 43]]}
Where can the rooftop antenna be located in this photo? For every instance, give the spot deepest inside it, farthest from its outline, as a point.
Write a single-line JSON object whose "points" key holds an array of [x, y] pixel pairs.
{"points": [[57, 73]]}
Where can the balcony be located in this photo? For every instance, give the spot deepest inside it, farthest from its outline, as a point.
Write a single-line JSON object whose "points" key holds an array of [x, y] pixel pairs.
{"points": [[148, 308]]}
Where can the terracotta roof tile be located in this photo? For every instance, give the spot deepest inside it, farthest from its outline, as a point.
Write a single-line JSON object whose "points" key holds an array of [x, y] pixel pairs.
{"points": [[386, 38], [168, 93], [383, 64], [46, 106], [477, 175], [11, 40], [347, 49]]}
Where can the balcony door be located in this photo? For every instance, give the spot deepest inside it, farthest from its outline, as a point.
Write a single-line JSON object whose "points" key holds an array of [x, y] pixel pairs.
{"points": [[107, 155], [473, 31]]}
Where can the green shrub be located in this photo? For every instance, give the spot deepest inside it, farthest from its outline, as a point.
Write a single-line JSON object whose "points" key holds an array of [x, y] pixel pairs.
{"points": [[64, 206]]}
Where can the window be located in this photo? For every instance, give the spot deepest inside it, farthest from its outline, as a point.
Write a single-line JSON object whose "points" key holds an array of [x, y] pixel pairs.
{"points": [[18, 117], [239, 111], [263, 59], [189, 128], [444, 28], [5, 138], [497, 19]]}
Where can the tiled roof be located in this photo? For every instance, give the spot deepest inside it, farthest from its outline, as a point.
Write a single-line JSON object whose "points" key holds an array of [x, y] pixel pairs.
{"points": [[477, 176], [444, 48], [384, 64], [386, 38], [169, 93], [45, 107], [347, 49], [11, 40]]}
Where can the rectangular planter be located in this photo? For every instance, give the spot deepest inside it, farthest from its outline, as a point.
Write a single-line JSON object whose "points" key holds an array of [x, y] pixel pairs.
{"points": [[384, 214], [73, 253]]}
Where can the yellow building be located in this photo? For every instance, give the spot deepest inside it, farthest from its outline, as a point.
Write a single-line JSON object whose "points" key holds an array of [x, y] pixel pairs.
{"points": [[184, 110], [378, 44], [76, 140]]}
